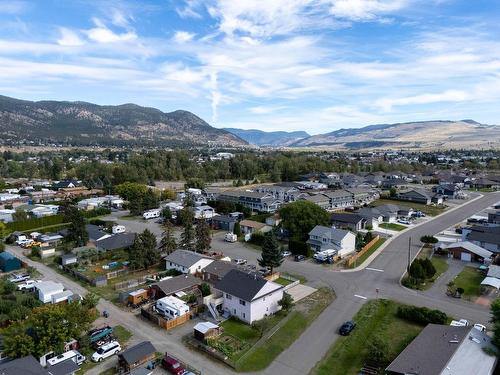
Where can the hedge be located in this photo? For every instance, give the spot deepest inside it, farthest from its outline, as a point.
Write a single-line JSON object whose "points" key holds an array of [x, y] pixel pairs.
{"points": [[422, 315], [35, 223]]}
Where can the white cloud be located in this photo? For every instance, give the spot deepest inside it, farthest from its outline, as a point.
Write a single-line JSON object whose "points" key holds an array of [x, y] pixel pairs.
{"points": [[102, 34], [69, 38], [363, 10], [13, 6], [446, 96], [183, 36], [191, 9]]}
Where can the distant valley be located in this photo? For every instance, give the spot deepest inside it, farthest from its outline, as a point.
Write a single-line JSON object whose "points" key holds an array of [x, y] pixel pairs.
{"points": [[263, 138]]}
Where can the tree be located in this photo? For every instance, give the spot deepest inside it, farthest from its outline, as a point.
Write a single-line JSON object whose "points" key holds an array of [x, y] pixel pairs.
{"points": [[300, 217], [149, 200], [202, 235], [166, 214], [378, 350], [416, 271], [77, 233], [19, 215], [272, 255], [495, 319], [368, 237], [286, 302], [205, 289], [237, 229], [90, 300], [392, 192], [427, 239], [168, 243], [144, 253], [18, 345], [188, 233], [3, 231], [428, 268]]}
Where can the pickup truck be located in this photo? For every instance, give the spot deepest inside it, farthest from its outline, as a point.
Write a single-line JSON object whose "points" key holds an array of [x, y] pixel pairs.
{"points": [[29, 284], [17, 278]]}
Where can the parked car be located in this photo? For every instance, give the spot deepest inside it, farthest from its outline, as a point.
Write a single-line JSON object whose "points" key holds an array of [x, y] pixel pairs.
{"points": [[480, 327], [402, 221], [172, 365], [17, 278], [299, 258], [286, 253], [460, 323], [346, 328], [29, 284], [106, 351], [264, 271], [240, 262]]}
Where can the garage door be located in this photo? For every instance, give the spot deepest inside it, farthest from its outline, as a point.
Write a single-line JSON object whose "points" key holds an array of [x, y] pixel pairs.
{"points": [[466, 257]]}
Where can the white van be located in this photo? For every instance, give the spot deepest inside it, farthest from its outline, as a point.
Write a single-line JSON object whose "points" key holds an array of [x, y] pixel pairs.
{"points": [[106, 351], [118, 229], [151, 214], [73, 355], [230, 237]]}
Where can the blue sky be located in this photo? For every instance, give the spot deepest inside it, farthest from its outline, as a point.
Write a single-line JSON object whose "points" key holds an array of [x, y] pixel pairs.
{"points": [[314, 65]]}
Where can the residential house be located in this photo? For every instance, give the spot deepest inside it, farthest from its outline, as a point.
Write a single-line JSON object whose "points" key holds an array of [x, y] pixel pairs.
{"points": [[450, 191], [484, 183], [437, 199], [340, 199], [325, 238], [281, 193], [66, 184], [216, 270], [468, 251], [95, 233], [203, 212], [488, 237], [47, 289], [186, 283], [6, 215], [186, 261], [353, 222], [319, 199], [116, 241], [446, 350], [224, 222], [248, 296], [250, 227], [262, 202], [330, 179], [362, 195], [136, 356], [43, 210], [415, 195], [24, 365]]}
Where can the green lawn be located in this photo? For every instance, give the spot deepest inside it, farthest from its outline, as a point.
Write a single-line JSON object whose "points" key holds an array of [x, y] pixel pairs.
{"points": [[469, 279], [365, 256], [393, 226], [122, 334], [426, 209], [376, 318], [305, 312], [283, 281]]}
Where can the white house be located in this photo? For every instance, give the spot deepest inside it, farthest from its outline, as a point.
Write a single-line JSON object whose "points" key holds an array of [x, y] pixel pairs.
{"points": [[248, 297], [324, 238], [47, 289], [187, 261], [43, 210], [171, 307]]}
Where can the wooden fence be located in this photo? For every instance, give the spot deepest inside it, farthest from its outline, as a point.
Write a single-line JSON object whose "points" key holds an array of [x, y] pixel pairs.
{"points": [[363, 250], [153, 317]]}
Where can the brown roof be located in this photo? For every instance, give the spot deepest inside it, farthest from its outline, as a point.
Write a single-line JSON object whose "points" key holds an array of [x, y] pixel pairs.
{"points": [[252, 224], [177, 284]]}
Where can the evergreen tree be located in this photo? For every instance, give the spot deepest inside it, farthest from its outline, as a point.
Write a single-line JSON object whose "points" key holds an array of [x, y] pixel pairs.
{"points": [[143, 253], [272, 255], [168, 243], [237, 228], [203, 238], [77, 233], [495, 319], [188, 233]]}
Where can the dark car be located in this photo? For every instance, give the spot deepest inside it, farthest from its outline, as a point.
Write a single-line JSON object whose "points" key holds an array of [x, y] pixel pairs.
{"points": [[347, 328], [172, 365], [299, 258]]}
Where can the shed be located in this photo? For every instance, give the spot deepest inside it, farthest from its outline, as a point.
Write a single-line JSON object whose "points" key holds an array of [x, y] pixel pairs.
{"points": [[137, 296], [492, 282], [9, 262], [46, 289], [68, 259], [204, 330], [136, 355], [62, 296]]}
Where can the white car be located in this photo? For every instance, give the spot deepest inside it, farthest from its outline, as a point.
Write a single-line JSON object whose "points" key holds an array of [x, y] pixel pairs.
{"points": [[230, 237], [480, 327], [406, 222], [240, 262], [29, 284], [460, 323], [106, 351], [286, 253]]}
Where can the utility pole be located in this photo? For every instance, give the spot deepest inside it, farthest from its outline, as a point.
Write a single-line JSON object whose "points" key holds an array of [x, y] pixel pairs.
{"points": [[409, 254]]}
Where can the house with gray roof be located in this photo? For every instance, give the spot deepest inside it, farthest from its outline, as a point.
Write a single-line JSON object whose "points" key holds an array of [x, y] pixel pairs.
{"points": [[446, 350], [216, 270], [325, 238], [248, 296], [487, 237], [185, 283], [136, 356], [415, 195], [340, 199], [353, 222], [256, 201], [468, 251], [186, 261], [24, 365]]}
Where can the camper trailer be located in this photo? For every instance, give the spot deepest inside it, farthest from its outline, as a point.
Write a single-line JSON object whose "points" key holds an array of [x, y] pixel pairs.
{"points": [[151, 214], [171, 307], [118, 229]]}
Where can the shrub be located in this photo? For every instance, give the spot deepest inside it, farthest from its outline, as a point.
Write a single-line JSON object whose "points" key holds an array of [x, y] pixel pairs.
{"points": [[257, 239], [205, 289], [421, 315]]}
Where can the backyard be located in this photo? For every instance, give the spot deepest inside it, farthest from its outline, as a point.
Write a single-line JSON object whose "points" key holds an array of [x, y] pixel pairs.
{"points": [[253, 348], [470, 281], [426, 209], [376, 320]]}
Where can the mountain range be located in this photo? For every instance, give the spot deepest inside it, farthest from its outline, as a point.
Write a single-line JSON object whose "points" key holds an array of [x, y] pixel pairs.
{"points": [[82, 123], [424, 135], [262, 138]]}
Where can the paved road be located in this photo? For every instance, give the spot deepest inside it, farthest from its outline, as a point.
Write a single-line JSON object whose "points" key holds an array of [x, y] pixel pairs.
{"points": [[353, 289]]}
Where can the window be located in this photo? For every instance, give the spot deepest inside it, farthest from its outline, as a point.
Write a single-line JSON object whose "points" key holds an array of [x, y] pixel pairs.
{"points": [[243, 303], [243, 315], [228, 296]]}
